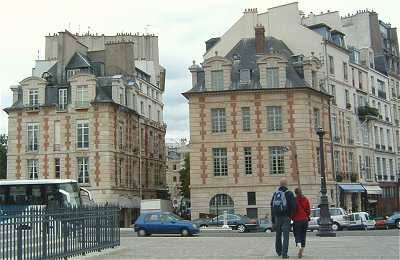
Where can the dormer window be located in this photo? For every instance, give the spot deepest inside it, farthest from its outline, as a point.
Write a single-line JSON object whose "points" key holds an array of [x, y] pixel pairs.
{"points": [[122, 96], [217, 80], [245, 76], [73, 72], [273, 77], [33, 97], [82, 96]]}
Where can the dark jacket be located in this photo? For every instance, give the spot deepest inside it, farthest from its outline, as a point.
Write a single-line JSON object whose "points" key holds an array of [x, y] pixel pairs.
{"points": [[291, 204]]}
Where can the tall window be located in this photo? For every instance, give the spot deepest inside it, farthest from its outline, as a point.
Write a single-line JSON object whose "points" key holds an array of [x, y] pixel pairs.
{"points": [[122, 96], [331, 65], [382, 139], [246, 119], [33, 97], [384, 170], [251, 198], [349, 130], [334, 128], [389, 139], [82, 134], [317, 118], [333, 93], [33, 169], [372, 85], [352, 77], [274, 118], [32, 136], [360, 80], [220, 158], [57, 168], [378, 167], [314, 79], [345, 71], [350, 164], [347, 97], [272, 78], [336, 162], [368, 167], [150, 117], [57, 135], [391, 167], [217, 79], [82, 96], [62, 98], [218, 120], [276, 160], [247, 161], [220, 203], [83, 170], [158, 116], [120, 172], [376, 136], [121, 135], [141, 107]]}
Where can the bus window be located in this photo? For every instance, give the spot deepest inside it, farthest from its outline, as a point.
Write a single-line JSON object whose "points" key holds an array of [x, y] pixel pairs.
{"points": [[18, 195]]}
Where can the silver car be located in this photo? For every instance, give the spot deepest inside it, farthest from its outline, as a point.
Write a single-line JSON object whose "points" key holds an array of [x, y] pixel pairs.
{"points": [[339, 217]]}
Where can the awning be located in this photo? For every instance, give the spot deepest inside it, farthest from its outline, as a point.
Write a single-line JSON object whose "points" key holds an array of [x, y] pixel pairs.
{"points": [[373, 189], [352, 188]]}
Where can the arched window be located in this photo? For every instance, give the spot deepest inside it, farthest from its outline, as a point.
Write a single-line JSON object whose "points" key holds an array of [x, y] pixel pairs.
{"points": [[221, 202]]}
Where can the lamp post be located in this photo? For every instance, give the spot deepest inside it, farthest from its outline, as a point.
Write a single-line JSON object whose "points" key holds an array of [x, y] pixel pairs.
{"points": [[325, 223]]}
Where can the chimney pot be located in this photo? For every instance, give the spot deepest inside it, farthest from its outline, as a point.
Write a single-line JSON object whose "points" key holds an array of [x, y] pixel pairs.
{"points": [[260, 39]]}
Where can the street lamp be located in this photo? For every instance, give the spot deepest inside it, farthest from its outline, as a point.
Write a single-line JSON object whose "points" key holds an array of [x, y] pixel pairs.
{"points": [[325, 225]]}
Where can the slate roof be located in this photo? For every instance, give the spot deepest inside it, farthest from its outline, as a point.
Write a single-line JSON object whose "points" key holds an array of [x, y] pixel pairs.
{"points": [[79, 60], [243, 56]]}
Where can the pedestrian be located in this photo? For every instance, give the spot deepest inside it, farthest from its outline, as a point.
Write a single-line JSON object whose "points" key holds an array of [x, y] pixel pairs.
{"points": [[283, 205], [300, 220]]}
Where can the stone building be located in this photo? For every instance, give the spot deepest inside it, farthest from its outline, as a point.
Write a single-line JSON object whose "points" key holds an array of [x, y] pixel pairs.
{"points": [[253, 118], [94, 116]]}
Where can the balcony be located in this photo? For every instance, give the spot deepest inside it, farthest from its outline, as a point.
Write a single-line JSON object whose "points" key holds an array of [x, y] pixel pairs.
{"points": [[32, 148], [377, 146], [381, 94], [82, 104], [379, 177], [390, 149], [366, 111], [387, 119], [348, 106], [32, 108], [61, 107], [392, 177], [385, 177], [383, 147]]}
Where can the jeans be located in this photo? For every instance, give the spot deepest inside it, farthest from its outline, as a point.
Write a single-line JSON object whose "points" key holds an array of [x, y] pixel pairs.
{"points": [[300, 231], [282, 226]]}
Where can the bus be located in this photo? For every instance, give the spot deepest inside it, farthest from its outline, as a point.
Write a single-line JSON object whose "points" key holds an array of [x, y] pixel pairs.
{"points": [[45, 192]]}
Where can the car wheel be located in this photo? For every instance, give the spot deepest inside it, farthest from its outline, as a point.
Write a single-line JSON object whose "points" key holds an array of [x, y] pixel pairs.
{"points": [[203, 226], [241, 228], [142, 233], [268, 230], [185, 232], [335, 226], [398, 223]]}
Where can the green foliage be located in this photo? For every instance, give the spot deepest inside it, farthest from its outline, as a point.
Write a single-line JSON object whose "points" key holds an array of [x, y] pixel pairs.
{"points": [[184, 175], [367, 111], [3, 156]]}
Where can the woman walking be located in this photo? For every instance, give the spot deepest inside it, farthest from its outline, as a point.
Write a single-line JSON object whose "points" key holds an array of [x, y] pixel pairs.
{"points": [[300, 221]]}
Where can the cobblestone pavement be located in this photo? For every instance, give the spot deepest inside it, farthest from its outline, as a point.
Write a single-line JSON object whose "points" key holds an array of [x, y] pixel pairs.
{"points": [[253, 247]]}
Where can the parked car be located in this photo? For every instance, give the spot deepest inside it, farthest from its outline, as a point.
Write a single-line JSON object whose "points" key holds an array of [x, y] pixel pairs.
{"points": [[236, 222], [265, 225], [380, 223], [361, 220], [164, 223], [202, 222], [393, 221], [340, 219]]}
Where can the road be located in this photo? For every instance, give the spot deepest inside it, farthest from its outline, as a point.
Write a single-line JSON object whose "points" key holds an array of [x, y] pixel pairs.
{"points": [[374, 244]]}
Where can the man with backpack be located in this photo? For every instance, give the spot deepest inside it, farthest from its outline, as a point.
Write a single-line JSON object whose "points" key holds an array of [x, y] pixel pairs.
{"points": [[283, 206]]}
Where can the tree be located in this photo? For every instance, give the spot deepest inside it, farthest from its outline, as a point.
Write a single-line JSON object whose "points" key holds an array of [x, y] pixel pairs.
{"points": [[3, 156], [184, 175]]}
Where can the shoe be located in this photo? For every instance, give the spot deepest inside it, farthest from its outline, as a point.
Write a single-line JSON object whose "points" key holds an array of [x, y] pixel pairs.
{"points": [[300, 254], [285, 256]]}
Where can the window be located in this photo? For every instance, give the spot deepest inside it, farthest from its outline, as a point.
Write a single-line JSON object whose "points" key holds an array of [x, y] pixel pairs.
{"points": [[82, 98], [345, 71], [389, 139], [83, 170], [174, 179], [391, 167], [245, 76], [272, 78], [33, 97], [331, 65], [386, 112], [336, 162], [352, 77], [384, 170], [150, 117], [274, 118], [33, 169], [148, 91], [120, 172], [152, 218], [251, 198], [378, 167], [334, 128], [376, 135], [220, 203], [368, 167], [217, 80], [382, 139], [218, 120], [158, 116], [350, 139], [252, 213], [333, 93], [350, 163], [57, 168], [276, 160], [174, 167], [347, 98], [317, 118], [82, 134], [220, 162], [62, 98], [122, 96], [121, 137], [57, 136], [360, 80], [32, 136], [314, 80], [247, 161], [246, 119], [141, 108]]}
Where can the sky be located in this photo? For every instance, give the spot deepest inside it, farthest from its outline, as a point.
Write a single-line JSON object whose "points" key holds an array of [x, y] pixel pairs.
{"points": [[182, 27]]}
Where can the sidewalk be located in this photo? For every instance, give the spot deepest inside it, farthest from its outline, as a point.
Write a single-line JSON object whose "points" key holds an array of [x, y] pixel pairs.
{"points": [[248, 248]]}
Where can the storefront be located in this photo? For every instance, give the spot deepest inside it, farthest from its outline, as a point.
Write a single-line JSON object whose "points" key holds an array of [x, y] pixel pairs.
{"points": [[369, 199], [350, 196]]}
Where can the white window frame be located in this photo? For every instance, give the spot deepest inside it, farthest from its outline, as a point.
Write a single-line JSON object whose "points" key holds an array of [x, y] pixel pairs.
{"points": [[82, 95], [272, 77], [62, 98], [32, 135], [83, 170], [248, 170], [274, 118], [217, 79], [81, 126], [276, 160], [220, 159], [218, 118], [246, 119], [33, 169], [33, 98], [57, 167]]}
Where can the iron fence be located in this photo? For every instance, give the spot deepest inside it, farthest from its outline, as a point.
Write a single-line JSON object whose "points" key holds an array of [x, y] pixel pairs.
{"points": [[37, 232]]}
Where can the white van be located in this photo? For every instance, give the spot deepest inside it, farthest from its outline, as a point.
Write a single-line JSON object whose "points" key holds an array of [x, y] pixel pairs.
{"points": [[361, 220], [339, 218]]}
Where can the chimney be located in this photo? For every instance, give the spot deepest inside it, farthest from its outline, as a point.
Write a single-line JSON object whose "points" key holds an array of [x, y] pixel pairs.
{"points": [[260, 38]]}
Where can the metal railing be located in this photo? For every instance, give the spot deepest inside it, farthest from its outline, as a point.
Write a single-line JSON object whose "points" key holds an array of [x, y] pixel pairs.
{"points": [[37, 232]]}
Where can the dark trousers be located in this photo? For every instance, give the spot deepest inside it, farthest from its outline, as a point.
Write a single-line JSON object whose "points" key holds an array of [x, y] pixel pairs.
{"points": [[300, 231], [282, 228]]}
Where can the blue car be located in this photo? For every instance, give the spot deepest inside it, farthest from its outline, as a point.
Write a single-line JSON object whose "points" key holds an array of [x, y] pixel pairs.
{"points": [[164, 223], [393, 221]]}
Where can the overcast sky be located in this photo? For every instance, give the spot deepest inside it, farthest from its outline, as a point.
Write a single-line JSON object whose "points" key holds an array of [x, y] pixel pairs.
{"points": [[182, 27]]}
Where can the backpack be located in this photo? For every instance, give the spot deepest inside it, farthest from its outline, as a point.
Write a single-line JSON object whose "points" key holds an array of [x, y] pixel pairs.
{"points": [[279, 203]]}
